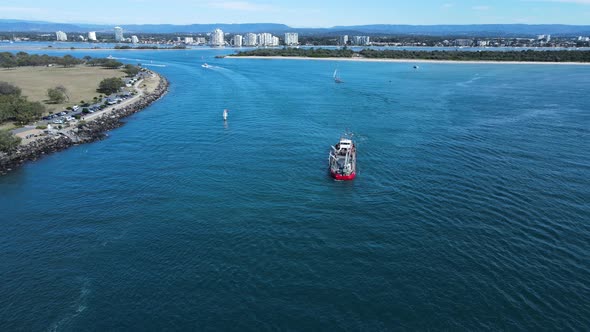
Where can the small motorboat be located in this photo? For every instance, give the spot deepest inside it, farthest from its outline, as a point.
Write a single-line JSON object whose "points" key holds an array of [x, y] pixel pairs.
{"points": [[205, 65]]}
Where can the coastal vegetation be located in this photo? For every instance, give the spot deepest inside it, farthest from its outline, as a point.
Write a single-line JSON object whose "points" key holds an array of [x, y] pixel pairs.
{"points": [[57, 95], [15, 107], [526, 55], [36, 85], [110, 85], [23, 59], [131, 70], [8, 142]]}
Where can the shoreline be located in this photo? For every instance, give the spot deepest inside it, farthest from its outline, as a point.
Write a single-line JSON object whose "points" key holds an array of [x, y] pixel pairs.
{"points": [[409, 60], [88, 132]]}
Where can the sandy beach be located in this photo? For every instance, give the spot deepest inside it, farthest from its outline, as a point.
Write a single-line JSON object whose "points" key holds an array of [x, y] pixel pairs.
{"points": [[357, 59]]}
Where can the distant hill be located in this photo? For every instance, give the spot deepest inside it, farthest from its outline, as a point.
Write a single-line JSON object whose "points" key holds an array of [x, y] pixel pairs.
{"points": [[500, 30], [25, 26]]}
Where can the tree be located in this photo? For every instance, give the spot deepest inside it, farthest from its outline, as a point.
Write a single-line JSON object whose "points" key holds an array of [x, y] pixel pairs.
{"points": [[64, 91], [56, 96], [9, 89], [27, 111], [131, 70], [112, 64], [69, 61], [8, 142], [110, 85]]}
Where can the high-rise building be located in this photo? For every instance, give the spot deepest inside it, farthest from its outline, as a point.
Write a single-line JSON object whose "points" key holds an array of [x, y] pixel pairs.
{"points": [[134, 39], [250, 39], [188, 40], [361, 40], [291, 38], [61, 36], [92, 36], [217, 38], [237, 41], [119, 34], [265, 39], [343, 40], [274, 41], [463, 42]]}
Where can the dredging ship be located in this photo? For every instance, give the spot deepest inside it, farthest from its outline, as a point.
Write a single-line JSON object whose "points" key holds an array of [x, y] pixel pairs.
{"points": [[342, 160]]}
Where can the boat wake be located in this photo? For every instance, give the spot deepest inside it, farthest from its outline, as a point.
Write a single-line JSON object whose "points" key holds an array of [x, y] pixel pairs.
{"points": [[78, 307]]}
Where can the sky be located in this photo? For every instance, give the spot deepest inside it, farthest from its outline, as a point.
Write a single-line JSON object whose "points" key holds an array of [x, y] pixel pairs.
{"points": [[301, 13]]}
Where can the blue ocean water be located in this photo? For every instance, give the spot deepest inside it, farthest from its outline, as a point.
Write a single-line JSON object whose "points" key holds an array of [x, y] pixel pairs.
{"points": [[471, 209]]}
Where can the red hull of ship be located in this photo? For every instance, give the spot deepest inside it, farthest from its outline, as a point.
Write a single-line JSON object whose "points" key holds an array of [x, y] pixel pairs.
{"points": [[341, 177]]}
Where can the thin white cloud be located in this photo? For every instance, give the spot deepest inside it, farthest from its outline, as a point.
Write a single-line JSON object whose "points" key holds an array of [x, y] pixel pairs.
{"points": [[8, 9], [242, 6], [579, 2], [448, 5], [481, 8]]}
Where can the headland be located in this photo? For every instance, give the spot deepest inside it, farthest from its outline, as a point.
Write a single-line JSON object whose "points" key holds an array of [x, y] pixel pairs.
{"points": [[93, 127]]}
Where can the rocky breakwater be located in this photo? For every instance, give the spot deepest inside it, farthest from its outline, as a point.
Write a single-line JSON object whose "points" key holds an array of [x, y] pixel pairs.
{"points": [[83, 132]]}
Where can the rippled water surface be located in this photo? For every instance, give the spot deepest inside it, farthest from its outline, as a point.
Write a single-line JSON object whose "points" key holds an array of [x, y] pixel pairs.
{"points": [[471, 209]]}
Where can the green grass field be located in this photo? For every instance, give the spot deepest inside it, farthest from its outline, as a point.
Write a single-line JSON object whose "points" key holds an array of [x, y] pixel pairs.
{"points": [[80, 81]]}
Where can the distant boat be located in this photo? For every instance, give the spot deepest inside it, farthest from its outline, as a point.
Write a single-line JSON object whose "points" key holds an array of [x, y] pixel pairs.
{"points": [[110, 57], [225, 115], [336, 78], [416, 67], [205, 65]]}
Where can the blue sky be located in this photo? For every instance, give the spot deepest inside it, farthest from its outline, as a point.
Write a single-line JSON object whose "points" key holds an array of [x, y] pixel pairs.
{"points": [[302, 13]]}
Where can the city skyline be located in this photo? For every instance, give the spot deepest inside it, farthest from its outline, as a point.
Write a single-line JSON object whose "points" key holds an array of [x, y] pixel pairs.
{"points": [[305, 13]]}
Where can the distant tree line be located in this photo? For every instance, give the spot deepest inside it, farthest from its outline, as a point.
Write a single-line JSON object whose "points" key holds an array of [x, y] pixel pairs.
{"points": [[21, 59], [300, 52], [526, 55]]}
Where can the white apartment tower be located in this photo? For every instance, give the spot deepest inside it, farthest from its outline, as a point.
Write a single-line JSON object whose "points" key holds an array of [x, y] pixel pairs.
{"points": [[119, 34], [237, 41], [61, 36], [265, 39], [217, 38], [274, 41], [291, 38], [134, 39], [250, 39], [343, 40], [92, 36]]}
